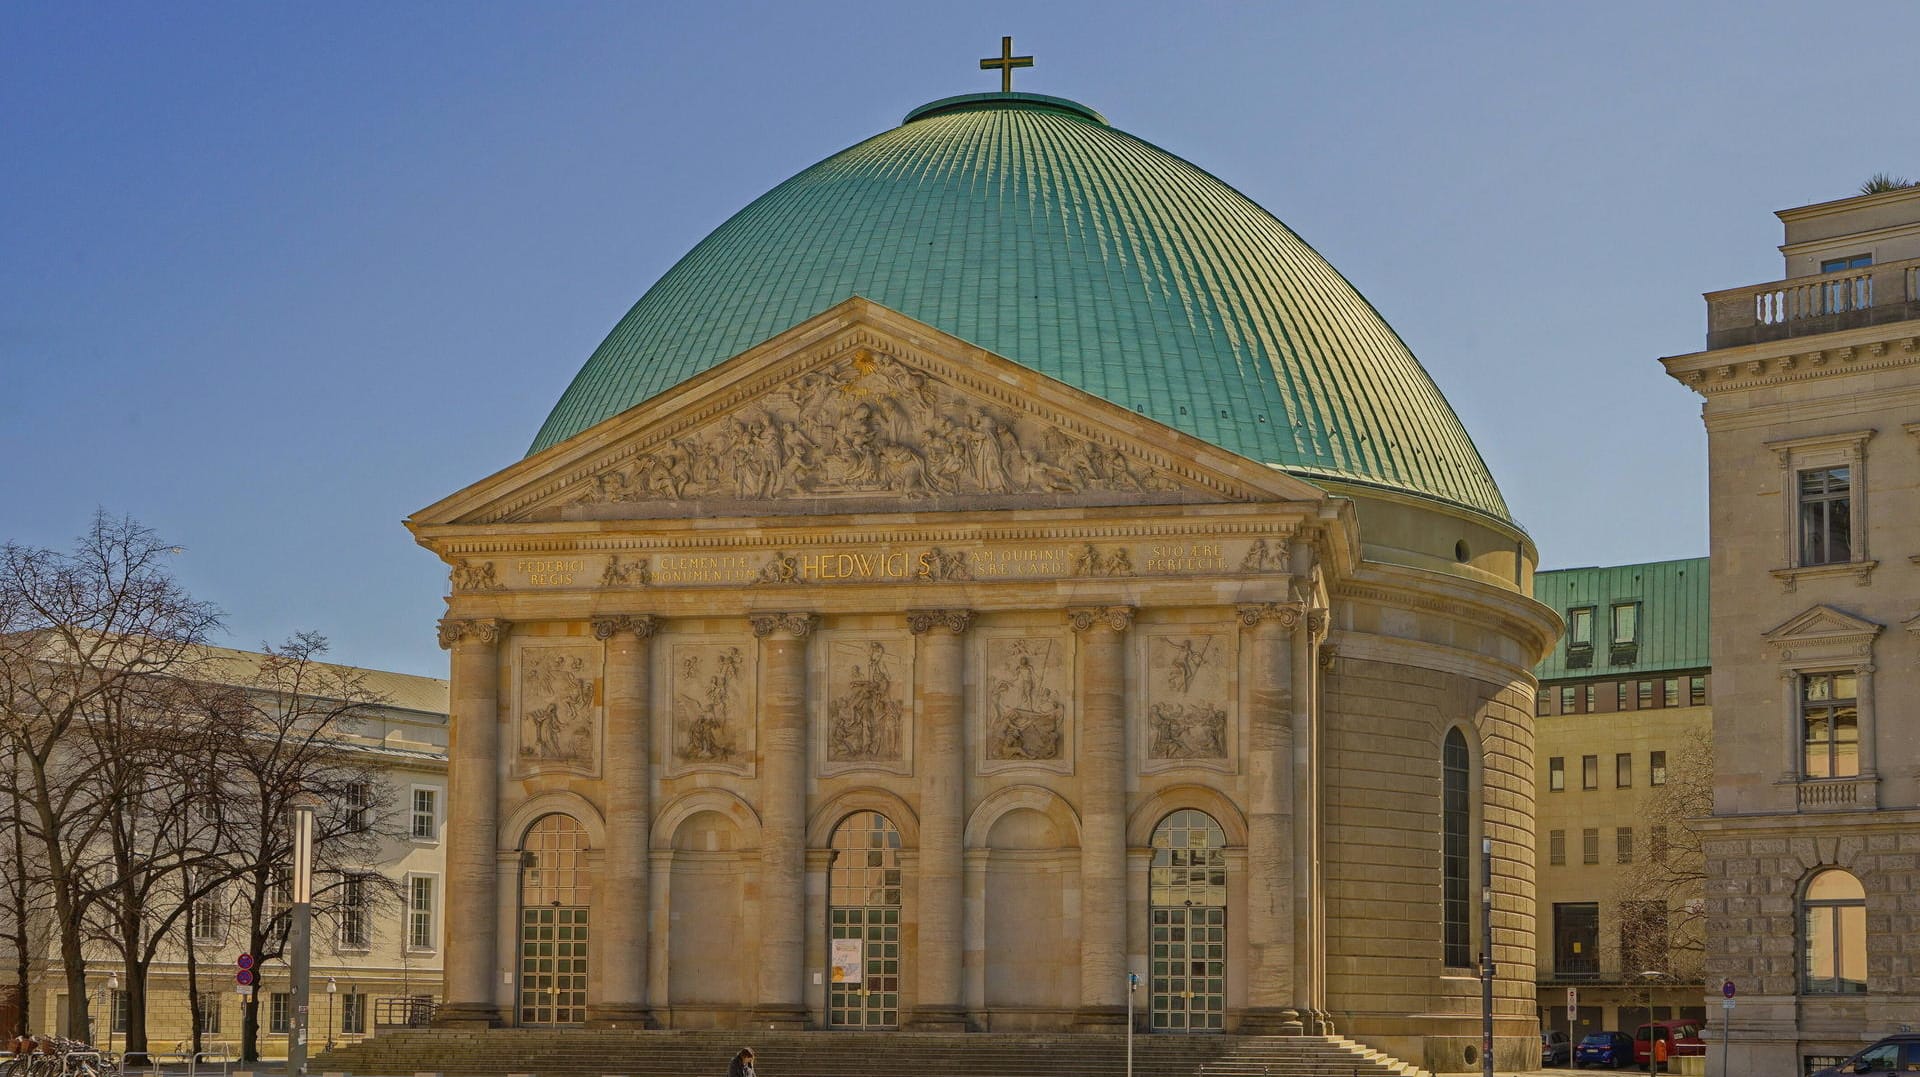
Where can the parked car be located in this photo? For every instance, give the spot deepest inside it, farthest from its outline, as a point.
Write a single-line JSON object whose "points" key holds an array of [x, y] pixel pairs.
{"points": [[1613, 1048], [1554, 1048], [1895, 1054], [1682, 1038]]}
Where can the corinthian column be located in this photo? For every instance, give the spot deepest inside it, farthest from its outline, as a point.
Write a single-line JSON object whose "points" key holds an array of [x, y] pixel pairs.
{"points": [[783, 816], [940, 678], [1103, 812], [1271, 627], [621, 913], [473, 798]]}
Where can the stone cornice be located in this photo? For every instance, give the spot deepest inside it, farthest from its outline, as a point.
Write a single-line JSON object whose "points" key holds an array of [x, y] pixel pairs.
{"points": [[1508, 612], [487, 630], [1795, 359]]}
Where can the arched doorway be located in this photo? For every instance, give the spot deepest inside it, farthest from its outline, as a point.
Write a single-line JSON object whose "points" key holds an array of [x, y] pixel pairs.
{"points": [[1187, 904], [553, 923], [863, 926]]}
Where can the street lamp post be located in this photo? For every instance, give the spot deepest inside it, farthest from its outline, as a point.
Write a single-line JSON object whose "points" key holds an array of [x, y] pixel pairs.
{"points": [[113, 995], [1133, 984], [1651, 976], [332, 987], [300, 935]]}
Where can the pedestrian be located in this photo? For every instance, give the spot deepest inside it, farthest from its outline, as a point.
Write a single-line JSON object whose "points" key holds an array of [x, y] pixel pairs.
{"points": [[742, 1065]]}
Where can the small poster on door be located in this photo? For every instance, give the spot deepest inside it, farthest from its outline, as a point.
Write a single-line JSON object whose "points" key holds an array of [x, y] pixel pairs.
{"points": [[846, 961]]}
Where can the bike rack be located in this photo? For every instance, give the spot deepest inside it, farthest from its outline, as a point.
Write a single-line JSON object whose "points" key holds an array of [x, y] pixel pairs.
{"points": [[223, 1057]]}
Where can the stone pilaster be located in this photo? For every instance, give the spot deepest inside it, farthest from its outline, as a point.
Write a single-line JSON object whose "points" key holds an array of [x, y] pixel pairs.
{"points": [[941, 677], [1310, 947], [1271, 1005], [620, 916], [1103, 813], [473, 789], [783, 816]]}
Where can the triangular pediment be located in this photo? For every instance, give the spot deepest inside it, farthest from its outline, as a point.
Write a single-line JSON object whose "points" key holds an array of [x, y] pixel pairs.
{"points": [[862, 409], [1823, 624]]}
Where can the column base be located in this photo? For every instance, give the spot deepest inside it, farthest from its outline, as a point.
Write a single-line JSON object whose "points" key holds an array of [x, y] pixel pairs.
{"points": [[468, 1015], [1100, 1019], [781, 1018], [937, 1019], [1271, 1021], [621, 1015], [1319, 1023]]}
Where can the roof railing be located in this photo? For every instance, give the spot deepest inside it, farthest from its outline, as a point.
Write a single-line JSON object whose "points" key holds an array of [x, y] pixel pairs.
{"points": [[1821, 303]]}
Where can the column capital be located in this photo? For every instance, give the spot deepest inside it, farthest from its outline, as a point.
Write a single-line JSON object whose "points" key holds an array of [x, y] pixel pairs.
{"points": [[642, 625], [1290, 615], [797, 625], [478, 629], [1086, 618], [921, 622]]}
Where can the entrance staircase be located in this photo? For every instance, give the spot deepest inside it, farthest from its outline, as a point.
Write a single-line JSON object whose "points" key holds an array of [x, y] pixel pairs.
{"points": [[599, 1053]]}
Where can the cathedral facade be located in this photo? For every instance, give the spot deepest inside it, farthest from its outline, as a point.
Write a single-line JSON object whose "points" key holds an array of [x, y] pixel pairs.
{"points": [[1001, 563]]}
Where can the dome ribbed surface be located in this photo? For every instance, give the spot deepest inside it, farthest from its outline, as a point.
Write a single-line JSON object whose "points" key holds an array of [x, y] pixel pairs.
{"points": [[1030, 228]]}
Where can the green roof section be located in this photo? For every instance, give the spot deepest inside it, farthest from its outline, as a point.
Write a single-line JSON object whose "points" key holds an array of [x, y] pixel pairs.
{"points": [[1671, 633], [1027, 226]]}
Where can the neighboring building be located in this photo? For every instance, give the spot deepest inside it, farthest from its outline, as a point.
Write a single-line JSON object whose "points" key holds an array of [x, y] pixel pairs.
{"points": [[376, 961], [1812, 388], [1623, 718], [1000, 559]]}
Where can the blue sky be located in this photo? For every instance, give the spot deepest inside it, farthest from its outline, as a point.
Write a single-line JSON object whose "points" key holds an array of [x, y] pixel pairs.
{"points": [[272, 277]]}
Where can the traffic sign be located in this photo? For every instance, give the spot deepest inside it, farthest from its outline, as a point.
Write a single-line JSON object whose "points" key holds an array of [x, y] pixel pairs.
{"points": [[1573, 1005], [1726, 989], [244, 961]]}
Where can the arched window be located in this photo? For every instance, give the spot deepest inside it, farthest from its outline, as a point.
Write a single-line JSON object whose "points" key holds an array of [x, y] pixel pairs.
{"points": [[1187, 896], [1456, 852], [1833, 941], [864, 923]]}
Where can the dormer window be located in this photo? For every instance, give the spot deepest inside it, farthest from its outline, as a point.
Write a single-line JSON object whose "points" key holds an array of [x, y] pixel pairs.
{"points": [[1580, 637]]}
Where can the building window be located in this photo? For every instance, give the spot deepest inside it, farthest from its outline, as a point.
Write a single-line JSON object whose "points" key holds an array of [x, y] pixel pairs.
{"points": [[1696, 691], [1542, 703], [1557, 848], [1576, 939], [420, 933], [359, 800], [353, 1014], [1646, 695], [1657, 842], [1580, 637], [1834, 940], [118, 1012], [1623, 770], [1456, 812], [208, 1003], [1589, 772], [1670, 692], [280, 890], [1624, 637], [354, 927], [1590, 845], [1623, 845], [1586, 699], [279, 1012], [426, 817], [1832, 724], [1566, 699], [1826, 516], [1852, 261], [1656, 768], [1621, 700], [203, 915], [1557, 774]]}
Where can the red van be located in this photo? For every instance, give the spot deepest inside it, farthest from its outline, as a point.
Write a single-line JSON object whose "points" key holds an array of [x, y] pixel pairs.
{"points": [[1682, 1037]]}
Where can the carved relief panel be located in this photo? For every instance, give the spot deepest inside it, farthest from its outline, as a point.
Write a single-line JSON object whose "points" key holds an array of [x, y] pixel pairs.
{"points": [[1026, 701], [708, 685], [1187, 698], [556, 707], [865, 718]]}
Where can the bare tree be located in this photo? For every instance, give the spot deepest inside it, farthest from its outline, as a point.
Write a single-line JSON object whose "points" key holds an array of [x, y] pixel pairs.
{"points": [[19, 891], [1661, 903], [83, 634], [294, 715]]}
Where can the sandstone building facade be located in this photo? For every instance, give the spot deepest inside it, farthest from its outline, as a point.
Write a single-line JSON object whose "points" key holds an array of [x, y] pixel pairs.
{"points": [[1812, 390], [1623, 745], [1000, 560]]}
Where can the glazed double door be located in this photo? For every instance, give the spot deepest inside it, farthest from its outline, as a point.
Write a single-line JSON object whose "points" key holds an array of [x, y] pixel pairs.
{"points": [[866, 939], [553, 966], [1189, 976]]}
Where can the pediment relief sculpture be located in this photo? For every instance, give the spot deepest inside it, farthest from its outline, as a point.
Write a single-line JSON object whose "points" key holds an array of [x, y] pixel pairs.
{"points": [[866, 424]]}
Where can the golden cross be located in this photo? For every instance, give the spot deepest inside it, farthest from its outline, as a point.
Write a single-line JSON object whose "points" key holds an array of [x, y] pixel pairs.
{"points": [[1006, 62]]}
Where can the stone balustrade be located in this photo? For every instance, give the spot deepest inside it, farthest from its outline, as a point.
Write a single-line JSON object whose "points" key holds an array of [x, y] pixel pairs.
{"points": [[1822, 303]]}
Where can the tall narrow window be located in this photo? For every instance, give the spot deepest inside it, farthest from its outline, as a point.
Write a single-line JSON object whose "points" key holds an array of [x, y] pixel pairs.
{"points": [[1621, 700], [205, 911], [1623, 845], [353, 913], [1670, 692], [353, 1014], [1589, 772], [1623, 770], [1557, 847], [420, 933], [279, 1012], [1567, 696], [1832, 724], [1834, 939], [1696, 691], [1826, 516], [208, 1003], [1456, 851], [359, 798], [426, 816], [1580, 637], [1656, 768], [1645, 694], [1556, 774], [1590, 845]]}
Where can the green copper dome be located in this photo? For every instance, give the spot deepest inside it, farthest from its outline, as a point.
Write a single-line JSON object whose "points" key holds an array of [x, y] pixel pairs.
{"points": [[1029, 227]]}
